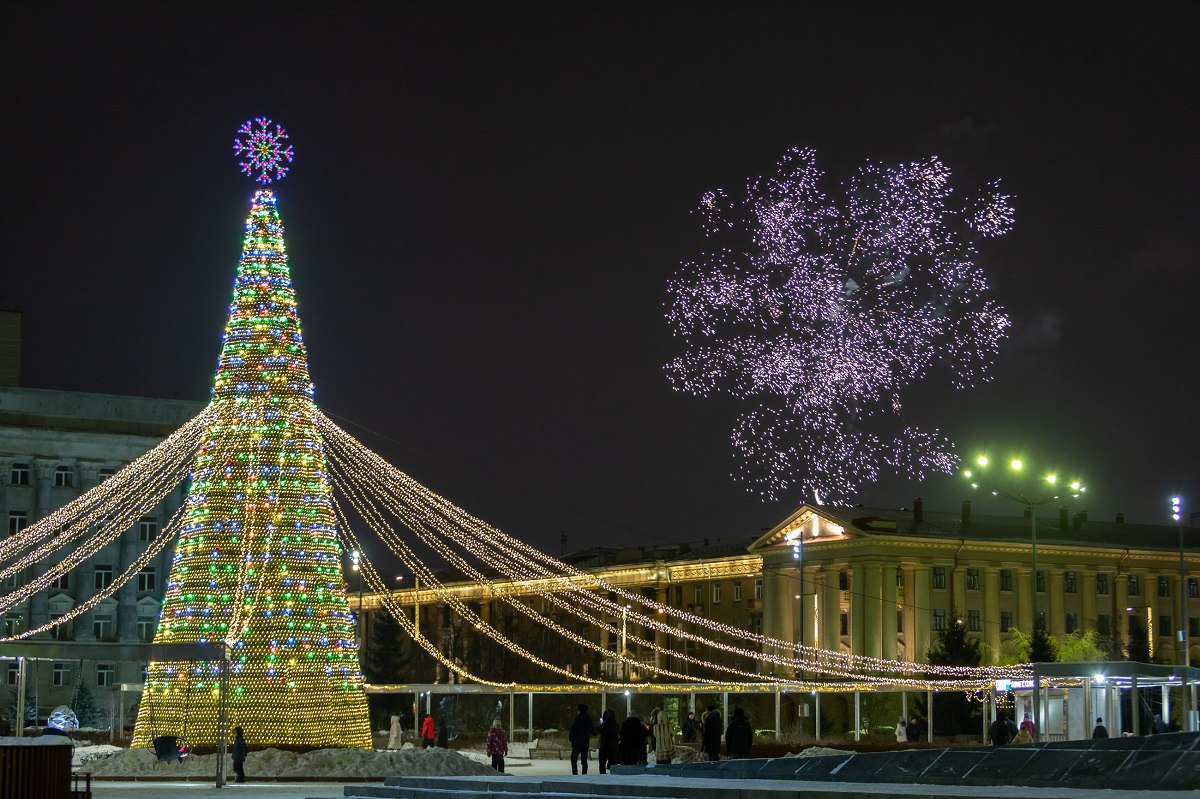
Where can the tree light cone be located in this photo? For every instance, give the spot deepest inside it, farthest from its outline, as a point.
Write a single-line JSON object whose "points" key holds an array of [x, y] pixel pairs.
{"points": [[258, 561]]}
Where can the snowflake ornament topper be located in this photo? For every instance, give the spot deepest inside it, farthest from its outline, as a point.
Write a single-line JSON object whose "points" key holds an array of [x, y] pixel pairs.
{"points": [[265, 150]]}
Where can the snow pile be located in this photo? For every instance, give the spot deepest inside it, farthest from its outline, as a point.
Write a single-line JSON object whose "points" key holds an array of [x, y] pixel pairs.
{"points": [[331, 764], [89, 754], [818, 751]]}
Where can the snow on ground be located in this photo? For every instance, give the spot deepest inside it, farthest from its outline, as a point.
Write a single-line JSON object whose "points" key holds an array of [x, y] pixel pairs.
{"points": [[818, 751], [89, 754], [331, 764]]}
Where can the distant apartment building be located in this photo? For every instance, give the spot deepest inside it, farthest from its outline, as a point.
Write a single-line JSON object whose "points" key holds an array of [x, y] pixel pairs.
{"points": [[54, 446]]}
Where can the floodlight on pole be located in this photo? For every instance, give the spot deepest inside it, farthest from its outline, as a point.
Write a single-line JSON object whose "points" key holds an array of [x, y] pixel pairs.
{"points": [[1185, 656]]}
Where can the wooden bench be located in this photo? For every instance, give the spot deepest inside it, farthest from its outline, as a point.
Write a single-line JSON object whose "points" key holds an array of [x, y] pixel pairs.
{"points": [[548, 749]]}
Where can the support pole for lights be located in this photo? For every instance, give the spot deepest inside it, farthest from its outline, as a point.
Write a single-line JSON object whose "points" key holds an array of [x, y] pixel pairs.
{"points": [[1186, 659]]}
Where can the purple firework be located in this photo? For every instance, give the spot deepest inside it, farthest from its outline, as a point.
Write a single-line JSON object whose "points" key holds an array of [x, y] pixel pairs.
{"points": [[821, 307]]}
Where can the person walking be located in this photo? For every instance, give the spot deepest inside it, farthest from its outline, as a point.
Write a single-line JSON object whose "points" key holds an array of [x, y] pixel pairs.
{"points": [[608, 749], [740, 735], [239, 754], [901, 731], [714, 728], [1099, 731], [999, 731], [497, 745], [582, 729], [428, 732], [664, 739], [632, 745]]}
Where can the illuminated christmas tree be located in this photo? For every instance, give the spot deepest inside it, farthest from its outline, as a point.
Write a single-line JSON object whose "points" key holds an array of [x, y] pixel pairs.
{"points": [[258, 561]]}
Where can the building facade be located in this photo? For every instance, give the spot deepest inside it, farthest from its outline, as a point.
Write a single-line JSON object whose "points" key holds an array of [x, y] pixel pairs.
{"points": [[880, 583], [54, 446]]}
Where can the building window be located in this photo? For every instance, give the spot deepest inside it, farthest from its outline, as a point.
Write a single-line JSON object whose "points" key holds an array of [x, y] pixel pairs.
{"points": [[1193, 588], [102, 626], [972, 579], [12, 625], [18, 474], [106, 675], [147, 579], [1006, 620], [843, 581], [716, 593], [1041, 582], [678, 595], [756, 623], [1135, 586], [1164, 626], [57, 632], [758, 588], [103, 577], [18, 520], [1103, 624], [1164, 586], [899, 579], [899, 621], [1069, 582], [1006, 579], [106, 473], [1101, 583], [146, 624], [14, 673], [973, 621], [62, 582], [737, 592], [844, 623], [1193, 626], [147, 529], [699, 595], [1072, 623], [939, 619], [939, 576], [61, 674], [64, 477]]}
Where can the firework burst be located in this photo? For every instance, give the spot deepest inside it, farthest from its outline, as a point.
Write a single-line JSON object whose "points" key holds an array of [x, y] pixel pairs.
{"points": [[821, 306]]}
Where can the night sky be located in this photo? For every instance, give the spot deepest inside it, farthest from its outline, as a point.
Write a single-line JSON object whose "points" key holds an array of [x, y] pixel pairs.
{"points": [[488, 200]]}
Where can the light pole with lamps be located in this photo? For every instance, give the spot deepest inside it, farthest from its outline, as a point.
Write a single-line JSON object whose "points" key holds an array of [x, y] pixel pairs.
{"points": [[356, 567], [1186, 655], [1030, 504]]}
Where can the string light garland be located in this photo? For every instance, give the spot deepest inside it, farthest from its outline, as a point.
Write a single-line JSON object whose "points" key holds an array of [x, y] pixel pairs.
{"points": [[820, 307]]}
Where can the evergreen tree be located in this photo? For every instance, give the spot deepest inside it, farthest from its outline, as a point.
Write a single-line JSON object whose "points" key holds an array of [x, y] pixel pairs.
{"points": [[385, 660], [1139, 640], [1042, 647], [85, 707], [955, 713]]}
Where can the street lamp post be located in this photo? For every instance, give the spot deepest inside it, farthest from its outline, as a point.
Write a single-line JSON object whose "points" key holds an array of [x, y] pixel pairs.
{"points": [[355, 566], [1185, 656], [1030, 505]]}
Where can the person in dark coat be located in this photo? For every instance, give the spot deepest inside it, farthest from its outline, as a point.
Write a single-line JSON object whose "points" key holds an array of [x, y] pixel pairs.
{"points": [[691, 729], [1100, 731], [582, 729], [633, 741], [239, 754], [740, 734], [714, 728], [999, 731], [609, 744]]}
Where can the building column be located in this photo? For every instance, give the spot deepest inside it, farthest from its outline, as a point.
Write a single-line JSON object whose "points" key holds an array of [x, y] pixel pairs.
{"points": [[871, 597], [958, 594], [922, 612], [778, 613], [1120, 622], [1087, 584], [857, 607], [1056, 621], [889, 609], [806, 633], [660, 637], [991, 613], [831, 609], [1024, 601], [43, 479]]}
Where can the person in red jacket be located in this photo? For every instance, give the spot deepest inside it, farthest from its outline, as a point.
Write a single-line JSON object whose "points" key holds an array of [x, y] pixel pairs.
{"points": [[497, 745], [427, 731]]}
